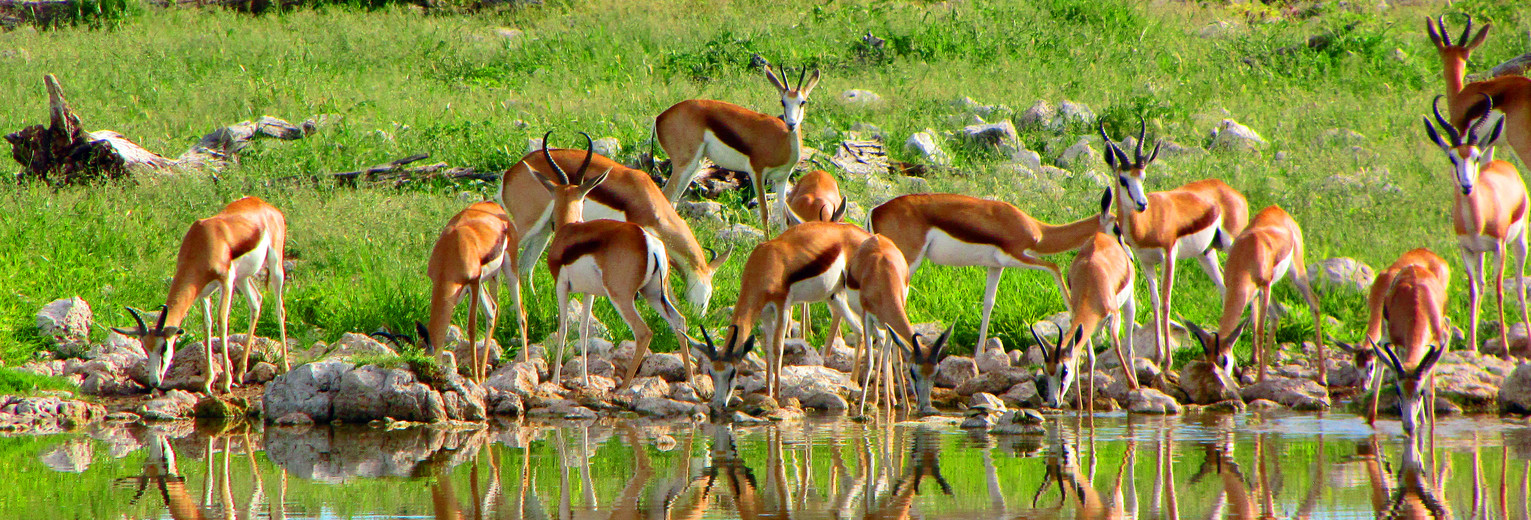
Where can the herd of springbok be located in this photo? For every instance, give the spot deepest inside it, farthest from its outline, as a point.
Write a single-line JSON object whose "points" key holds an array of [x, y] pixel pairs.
{"points": [[609, 230]]}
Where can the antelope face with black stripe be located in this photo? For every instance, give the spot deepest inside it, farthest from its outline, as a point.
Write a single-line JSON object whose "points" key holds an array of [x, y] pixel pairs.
{"points": [[158, 343], [1410, 384], [723, 365], [1364, 359], [1060, 365], [1471, 153], [923, 362], [1129, 172], [794, 101]]}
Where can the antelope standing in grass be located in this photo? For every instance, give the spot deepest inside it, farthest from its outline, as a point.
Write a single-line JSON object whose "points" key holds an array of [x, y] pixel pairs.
{"points": [[958, 230], [627, 194], [1411, 296], [815, 197], [1488, 213], [473, 250], [806, 263], [877, 285], [1510, 94], [1162, 227], [1269, 249], [615, 259], [219, 254], [736, 138], [1100, 292]]}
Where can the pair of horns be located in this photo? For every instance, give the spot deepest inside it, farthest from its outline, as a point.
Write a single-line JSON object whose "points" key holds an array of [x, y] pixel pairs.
{"points": [[1438, 31], [918, 354], [1115, 155], [1386, 353], [1056, 352], [1451, 131], [801, 76], [731, 354], [563, 177]]}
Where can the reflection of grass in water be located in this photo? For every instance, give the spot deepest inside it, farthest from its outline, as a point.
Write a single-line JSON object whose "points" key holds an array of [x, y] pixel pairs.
{"points": [[609, 68], [14, 381]]}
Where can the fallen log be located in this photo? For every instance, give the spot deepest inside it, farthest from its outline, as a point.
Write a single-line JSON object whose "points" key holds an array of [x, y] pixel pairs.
{"points": [[64, 153], [399, 172]]}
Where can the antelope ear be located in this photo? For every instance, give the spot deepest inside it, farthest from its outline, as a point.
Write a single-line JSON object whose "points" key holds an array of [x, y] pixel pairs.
{"points": [[128, 333], [543, 179], [1233, 335], [749, 344], [1110, 155], [173, 331], [1078, 335], [813, 81], [903, 348], [793, 218], [1155, 154], [425, 335], [1435, 136], [1478, 39], [839, 214], [1493, 135], [590, 184], [1431, 357], [771, 75], [1105, 198], [1345, 346], [1435, 37]]}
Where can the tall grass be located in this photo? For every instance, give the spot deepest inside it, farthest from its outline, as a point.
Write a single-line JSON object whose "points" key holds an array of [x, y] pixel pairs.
{"points": [[406, 82]]}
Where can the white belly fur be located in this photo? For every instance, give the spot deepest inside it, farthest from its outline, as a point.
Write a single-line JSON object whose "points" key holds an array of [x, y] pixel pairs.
{"points": [[583, 276], [1283, 267], [819, 288], [490, 270], [1487, 244], [596, 211], [944, 249], [725, 155], [245, 265], [1192, 245]]}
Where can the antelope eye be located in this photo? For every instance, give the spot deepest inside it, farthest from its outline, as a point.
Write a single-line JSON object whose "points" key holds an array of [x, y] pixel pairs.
{"points": [[1122, 179]]}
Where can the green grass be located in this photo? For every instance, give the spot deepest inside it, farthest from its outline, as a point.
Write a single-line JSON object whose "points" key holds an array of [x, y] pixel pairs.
{"points": [[447, 84], [18, 382]]}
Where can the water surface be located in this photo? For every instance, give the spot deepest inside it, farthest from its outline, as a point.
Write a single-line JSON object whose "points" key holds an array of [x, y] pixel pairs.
{"points": [[1266, 465]]}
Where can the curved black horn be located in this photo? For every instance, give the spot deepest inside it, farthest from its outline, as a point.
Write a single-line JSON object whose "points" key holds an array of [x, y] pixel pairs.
{"points": [[1137, 151], [712, 254], [802, 75], [712, 352], [1440, 25], [1466, 31], [137, 316], [589, 154], [1472, 129], [1451, 131], [1113, 149], [162, 313], [563, 177]]}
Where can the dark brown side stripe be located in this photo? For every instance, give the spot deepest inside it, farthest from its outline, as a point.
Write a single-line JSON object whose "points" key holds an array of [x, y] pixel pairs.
{"points": [[817, 266]]}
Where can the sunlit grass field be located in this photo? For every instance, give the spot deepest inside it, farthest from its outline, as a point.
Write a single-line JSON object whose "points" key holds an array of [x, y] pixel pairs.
{"points": [[406, 81]]}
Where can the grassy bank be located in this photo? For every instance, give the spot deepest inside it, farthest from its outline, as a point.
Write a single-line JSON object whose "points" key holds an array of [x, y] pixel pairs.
{"points": [[451, 85]]}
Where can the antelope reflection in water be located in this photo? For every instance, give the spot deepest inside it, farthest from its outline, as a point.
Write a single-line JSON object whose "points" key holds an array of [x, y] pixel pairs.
{"points": [[483, 501], [161, 471], [1063, 470]]}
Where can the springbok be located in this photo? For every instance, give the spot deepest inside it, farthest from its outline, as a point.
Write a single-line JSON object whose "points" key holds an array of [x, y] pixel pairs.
{"points": [[806, 263], [921, 362], [219, 254], [1162, 227], [1489, 213], [877, 285], [615, 259], [1510, 94], [627, 194], [958, 230], [1101, 292], [766, 148], [815, 197], [1411, 296], [1269, 249], [473, 250]]}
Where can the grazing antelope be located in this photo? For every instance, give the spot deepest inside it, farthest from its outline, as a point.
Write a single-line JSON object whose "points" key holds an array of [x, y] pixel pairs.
{"points": [[1489, 213], [627, 194], [1511, 94], [736, 138], [1269, 249], [221, 254], [815, 198], [877, 285], [1100, 291], [618, 260], [1165, 226], [473, 249], [922, 362], [958, 230], [1411, 296], [806, 263]]}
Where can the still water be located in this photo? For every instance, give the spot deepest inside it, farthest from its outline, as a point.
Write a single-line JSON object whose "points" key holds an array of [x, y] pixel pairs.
{"points": [[1255, 465]]}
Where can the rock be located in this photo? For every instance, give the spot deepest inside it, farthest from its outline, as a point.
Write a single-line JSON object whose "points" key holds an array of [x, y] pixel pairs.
{"points": [[65, 320], [702, 210], [1022, 395], [1515, 394], [72, 456], [1232, 136], [993, 382], [309, 388], [371, 392], [801, 382], [1074, 115], [261, 372], [825, 401], [993, 134], [598, 388], [172, 405], [839, 356], [926, 145], [598, 367], [1340, 137], [687, 392], [800, 353], [1018, 422], [985, 402], [352, 346], [645, 387], [1216, 29], [992, 358], [1079, 156], [294, 419], [740, 233], [212, 407], [954, 371], [1264, 405], [1039, 115], [576, 312], [1143, 341], [1151, 401], [608, 146], [45, 414], [1202, 385], [869, 131], [666, 407], [463, 353], [1468, 385], [1171, 149], [1299, 394], [509, 33], [1229, 406], [666, 365], [505, 403], [518, 378], [319, 454], [1517, 66], [1346, 273], [860, 98], [1029, 161], [983, 421], [1520, 343]]}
